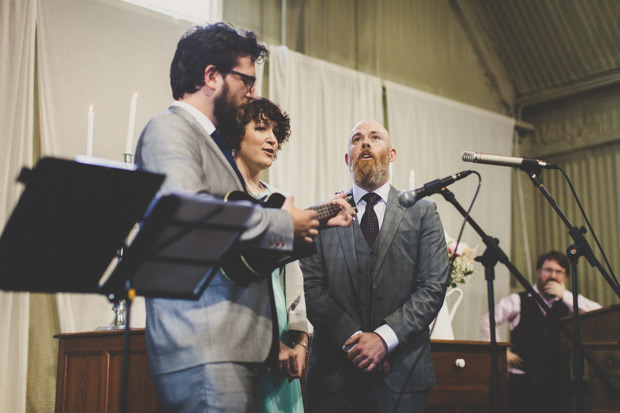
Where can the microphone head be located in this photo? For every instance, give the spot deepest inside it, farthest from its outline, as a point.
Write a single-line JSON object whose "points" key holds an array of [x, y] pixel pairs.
{"points": [[407, 198], [468, 156]]}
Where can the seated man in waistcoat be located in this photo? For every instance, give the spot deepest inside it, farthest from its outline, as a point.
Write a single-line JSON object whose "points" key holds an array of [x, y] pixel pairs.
{"points": [[536, 381]]}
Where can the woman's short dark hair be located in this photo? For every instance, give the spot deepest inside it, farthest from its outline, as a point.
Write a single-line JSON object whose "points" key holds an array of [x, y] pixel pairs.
{"points": [[217, 44], [262, 109], [556, 256]]}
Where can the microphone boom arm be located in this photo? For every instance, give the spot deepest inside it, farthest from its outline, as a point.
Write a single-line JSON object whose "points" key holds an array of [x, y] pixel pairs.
{"points": [[612, 383], [577, 234]]}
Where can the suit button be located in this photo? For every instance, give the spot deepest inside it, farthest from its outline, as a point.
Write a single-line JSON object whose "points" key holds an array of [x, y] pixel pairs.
{"points": [[372, 272], [372, 254]]}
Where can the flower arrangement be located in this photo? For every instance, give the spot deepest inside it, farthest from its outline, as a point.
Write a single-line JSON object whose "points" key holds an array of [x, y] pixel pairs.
{"points": [[463, 266]]}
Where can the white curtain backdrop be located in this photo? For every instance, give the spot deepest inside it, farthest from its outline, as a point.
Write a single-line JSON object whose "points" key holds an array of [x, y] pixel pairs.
{"points": [[100, 52], [17, 51], [429, 133], [324, 101]]}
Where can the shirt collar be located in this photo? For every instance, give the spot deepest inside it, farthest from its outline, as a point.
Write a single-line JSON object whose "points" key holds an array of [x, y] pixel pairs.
{"points": [[383, 191], [202, 119]]}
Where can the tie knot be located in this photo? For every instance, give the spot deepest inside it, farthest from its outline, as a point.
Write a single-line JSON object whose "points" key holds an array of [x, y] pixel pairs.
{"points": [[371, 198]]}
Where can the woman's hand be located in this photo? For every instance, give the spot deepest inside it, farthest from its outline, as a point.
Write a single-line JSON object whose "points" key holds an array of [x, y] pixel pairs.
{"points": [[300, 352], [288, 362]]}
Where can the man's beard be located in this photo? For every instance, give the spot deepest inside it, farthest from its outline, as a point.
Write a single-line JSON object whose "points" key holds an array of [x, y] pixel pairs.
{"points": [[370, 174], [226, 113]]}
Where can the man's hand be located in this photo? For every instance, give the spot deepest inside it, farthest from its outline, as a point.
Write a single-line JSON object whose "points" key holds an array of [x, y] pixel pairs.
{"points": [[304, 221], [555, 289], [369, 352], [513, 359], [346, 214]]}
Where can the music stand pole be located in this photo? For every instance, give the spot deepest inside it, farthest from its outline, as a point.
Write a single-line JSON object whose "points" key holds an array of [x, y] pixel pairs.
{"points": [[126, 345]]}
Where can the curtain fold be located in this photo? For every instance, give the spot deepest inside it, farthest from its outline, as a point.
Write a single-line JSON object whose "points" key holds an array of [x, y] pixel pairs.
{"points": [[324, 101], [429, 133], [96, 52], [17, 52]]}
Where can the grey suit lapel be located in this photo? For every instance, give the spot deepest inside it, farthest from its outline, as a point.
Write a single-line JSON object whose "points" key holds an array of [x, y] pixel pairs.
{"points": [[394, 213], [195, 125], [347, 242]]}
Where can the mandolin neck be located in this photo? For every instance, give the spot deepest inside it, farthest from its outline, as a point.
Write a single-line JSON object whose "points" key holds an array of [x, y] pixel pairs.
{"points": [[325, 211]]}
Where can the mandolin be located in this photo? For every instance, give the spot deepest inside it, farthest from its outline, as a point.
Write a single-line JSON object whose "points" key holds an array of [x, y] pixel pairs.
{"points": [[253, 265]]}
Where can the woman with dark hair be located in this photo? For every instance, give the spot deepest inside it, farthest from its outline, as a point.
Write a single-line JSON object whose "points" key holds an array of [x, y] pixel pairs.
{"points": [[264, 128]]}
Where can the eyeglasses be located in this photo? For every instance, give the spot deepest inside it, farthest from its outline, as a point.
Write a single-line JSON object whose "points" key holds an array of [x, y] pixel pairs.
{"points": [[551, 270], [247, 80]]}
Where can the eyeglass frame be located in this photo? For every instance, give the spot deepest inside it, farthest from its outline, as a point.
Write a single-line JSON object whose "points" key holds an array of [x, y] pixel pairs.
{"points": [[553, 271], [248, 81]]}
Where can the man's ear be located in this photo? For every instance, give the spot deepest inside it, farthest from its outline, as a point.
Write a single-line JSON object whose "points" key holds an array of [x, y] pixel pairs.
{"points": [[346, 158], [211, 76], [392, 155]]}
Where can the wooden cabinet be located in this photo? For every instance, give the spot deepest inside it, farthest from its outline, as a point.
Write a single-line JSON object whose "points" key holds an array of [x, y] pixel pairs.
{"points": [[463, 370], [89, 373]]}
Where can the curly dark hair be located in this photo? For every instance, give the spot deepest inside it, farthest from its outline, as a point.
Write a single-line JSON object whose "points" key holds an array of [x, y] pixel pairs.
{"points": [[556, 256], [217, 44], [261, 110]]}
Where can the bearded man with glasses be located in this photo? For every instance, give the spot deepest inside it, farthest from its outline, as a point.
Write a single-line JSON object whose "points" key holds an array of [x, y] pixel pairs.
{"points": [[206, 355], [536, 382]]}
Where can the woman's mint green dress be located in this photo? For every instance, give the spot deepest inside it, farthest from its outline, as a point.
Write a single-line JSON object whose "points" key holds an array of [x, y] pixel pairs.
{"points": [[278, 395]]}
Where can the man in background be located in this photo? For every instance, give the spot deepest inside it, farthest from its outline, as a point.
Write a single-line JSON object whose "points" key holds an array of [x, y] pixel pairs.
{"points": [[206, 355], [536, 382], [372, 290]]}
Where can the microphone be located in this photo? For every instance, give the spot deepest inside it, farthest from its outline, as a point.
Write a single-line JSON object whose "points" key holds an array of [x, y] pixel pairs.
{"points": [[490, 159], [408, 198]]}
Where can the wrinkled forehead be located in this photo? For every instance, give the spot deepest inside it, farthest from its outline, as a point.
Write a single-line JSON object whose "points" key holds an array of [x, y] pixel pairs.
{"points": [[367, 128]]}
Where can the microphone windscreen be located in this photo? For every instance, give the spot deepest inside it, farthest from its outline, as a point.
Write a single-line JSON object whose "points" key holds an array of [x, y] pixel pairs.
{"points": [[406, 198], [468, 156]]}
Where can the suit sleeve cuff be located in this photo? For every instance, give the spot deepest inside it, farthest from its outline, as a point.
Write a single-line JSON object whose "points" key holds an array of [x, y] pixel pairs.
{"points": [[388, 335]]}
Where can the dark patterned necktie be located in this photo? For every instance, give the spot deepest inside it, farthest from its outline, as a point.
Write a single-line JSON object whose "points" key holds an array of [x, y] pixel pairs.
{"points": [[370, 223]]}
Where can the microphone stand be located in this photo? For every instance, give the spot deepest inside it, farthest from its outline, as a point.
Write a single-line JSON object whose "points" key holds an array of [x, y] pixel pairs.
{"points": [[580, 248], [494, 252], [489, 259]]}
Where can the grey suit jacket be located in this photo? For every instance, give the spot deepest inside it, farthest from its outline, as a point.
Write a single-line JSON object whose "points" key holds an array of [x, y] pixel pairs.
{"points": [[228, 322], [403, 277]]}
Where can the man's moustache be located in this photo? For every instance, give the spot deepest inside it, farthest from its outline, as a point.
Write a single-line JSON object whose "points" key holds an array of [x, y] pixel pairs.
{"points": [[365, 153]]}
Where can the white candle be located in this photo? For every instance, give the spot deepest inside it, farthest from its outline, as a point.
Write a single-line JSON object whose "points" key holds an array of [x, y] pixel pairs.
{"points": [[132, 123], [412, 179], [89, 134]]}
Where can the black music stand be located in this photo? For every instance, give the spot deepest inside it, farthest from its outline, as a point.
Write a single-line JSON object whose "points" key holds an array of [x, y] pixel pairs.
{"points": [[70, 222], [176, 252], [74, 217]]}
